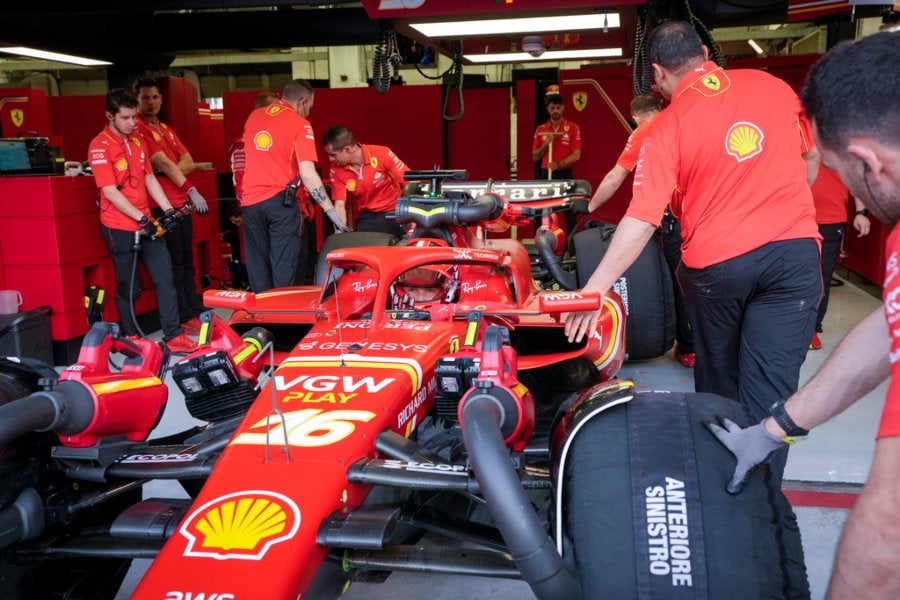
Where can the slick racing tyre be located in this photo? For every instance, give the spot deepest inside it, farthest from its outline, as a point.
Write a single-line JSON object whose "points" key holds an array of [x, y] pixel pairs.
{"points": [[645, 288], [353, 239], [648, 516]]}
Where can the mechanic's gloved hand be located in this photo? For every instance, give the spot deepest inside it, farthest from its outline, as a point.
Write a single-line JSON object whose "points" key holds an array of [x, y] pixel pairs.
{"points": [[751, 446], [580, 206], [339, 224], [151, 227], [198, 201]]}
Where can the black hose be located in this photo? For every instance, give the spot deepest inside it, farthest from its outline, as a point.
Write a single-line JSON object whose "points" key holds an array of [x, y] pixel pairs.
{"points": [[532, 549], [68, 409], [136, 248], [23, 519], [544, 242]]}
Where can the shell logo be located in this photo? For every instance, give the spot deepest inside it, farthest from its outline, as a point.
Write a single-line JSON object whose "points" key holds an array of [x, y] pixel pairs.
{"points": [[263, 140], [351, 185], [744, 140], [242, 525], [121, 164]]}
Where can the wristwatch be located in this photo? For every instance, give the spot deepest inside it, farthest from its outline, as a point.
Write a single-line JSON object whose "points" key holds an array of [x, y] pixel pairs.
{"points": [[863, 213], [784, 421]]}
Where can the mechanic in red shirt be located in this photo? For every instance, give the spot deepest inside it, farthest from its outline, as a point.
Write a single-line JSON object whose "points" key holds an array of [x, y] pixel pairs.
{"points": [[855, 109], [280, 154], [236, 149], [728, 154], [174, 162], [123, 174], [644, 109], [830, 197], [558, 133], [372, 174]]}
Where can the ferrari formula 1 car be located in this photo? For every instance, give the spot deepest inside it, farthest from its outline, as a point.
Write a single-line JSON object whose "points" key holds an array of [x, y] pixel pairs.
{"points": [[423, 386]]}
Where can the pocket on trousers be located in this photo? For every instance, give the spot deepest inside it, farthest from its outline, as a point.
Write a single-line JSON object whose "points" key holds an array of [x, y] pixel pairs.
{"points": [[702, 283]]}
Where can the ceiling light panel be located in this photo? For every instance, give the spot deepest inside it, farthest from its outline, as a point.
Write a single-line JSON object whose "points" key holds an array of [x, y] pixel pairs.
{"points": [[556, 55], [56, 56], [524, 25]]}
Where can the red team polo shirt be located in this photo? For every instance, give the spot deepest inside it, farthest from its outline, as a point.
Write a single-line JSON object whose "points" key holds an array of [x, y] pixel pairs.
{"points": [[276, 140], [727, 154], [629, 157], [376, 185], [563, 145], [161, 138], [890, 416], [830, 196], [123, 163]]}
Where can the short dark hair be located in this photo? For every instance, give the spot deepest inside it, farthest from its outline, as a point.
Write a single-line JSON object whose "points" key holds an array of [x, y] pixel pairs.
{"points": [[675, 45], [296, 89], [264, 99], [338, 136], [553, 99], [850, 93], [645, 103], [119, 98], [144, 82]]}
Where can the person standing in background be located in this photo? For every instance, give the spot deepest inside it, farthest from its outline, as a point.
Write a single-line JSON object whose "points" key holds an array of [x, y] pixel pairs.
{"points": [[644, 109], [123, 174], [280, 155], [372, 174], [830, 197], [558, 137], [174, 162], [236, 149]]}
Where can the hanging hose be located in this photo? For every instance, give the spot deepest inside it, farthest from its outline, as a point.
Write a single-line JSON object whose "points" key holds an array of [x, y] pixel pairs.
{"points": [[454, 81], [655, 13], [136, 249], [386, 60]]}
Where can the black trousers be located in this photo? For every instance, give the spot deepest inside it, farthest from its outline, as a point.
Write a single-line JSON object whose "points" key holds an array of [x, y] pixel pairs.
{"points": [[671, 247], [272, 243], [155, 257], [752, 319], [374, 221], [180, 242], [832, 236]]}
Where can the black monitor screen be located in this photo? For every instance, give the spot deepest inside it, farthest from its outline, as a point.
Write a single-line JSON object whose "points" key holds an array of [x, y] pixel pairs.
{"points": [[14, 156]]}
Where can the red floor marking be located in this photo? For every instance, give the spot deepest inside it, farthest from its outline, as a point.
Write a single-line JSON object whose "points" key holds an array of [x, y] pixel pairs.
{"points": [[819, 499]]}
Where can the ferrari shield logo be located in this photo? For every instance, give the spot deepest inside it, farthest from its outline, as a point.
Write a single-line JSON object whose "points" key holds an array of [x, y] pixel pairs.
{"points": [[712, 82], [18, 116], [579, 99]]}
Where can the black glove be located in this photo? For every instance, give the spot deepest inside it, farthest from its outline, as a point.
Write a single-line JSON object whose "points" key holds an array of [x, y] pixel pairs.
{"points": [[580, 206], [751, 446], [170, 219], [151, 227]]}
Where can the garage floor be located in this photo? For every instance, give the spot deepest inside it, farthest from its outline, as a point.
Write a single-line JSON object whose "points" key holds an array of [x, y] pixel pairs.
{"points": [[823, 473]]}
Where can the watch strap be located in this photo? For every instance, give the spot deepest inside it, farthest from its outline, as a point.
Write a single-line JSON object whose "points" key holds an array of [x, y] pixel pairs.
{"points": [[784, 421]]}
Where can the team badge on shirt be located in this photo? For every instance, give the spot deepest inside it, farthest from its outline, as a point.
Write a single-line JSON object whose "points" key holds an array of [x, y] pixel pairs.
{"points": [[156, 137], [136, 140], [712, 82], [374, 162], [121, 164], [274, 109], [262, 140], [744, 140], [351, 185]]}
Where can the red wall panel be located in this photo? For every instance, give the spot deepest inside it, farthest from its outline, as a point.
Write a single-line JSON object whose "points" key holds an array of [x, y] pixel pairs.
{"points": [[78, 119], [479, 141], [524, 128], [216, 141], [180, 112], [23, 109]]}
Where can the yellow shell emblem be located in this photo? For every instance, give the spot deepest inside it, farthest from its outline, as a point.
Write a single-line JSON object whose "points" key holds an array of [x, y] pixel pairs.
{"points": [[121, 164], [242, 525], [743, 141], [262, 140], [351, 185]]}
